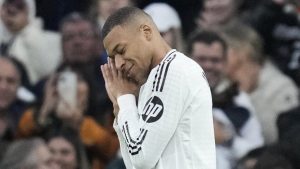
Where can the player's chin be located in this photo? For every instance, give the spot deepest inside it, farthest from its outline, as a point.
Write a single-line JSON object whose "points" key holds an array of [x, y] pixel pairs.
{"points": [[130, 77], [133, 79]]}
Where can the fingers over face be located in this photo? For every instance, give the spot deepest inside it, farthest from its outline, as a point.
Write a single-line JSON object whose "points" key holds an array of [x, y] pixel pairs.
{"points": [[106, 73], [113, 67], [103, 72]]}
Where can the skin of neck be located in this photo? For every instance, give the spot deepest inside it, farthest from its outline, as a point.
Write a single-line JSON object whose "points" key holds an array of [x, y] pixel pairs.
{"points": [[160, 49]]}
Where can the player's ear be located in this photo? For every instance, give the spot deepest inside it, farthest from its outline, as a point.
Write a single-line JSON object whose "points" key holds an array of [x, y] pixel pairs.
{"points": [[146, 31]]}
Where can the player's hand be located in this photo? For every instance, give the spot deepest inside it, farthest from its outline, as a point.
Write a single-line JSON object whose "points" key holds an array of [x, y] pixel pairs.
{"points": [[116, 83], [112, 98]]}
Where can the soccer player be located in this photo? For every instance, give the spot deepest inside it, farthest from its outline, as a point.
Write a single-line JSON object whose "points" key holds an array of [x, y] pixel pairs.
{"points": [[162, 101]]}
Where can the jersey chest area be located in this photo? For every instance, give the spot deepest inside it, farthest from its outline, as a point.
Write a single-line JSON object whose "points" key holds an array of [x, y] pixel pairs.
{"points": [[150, 104]]}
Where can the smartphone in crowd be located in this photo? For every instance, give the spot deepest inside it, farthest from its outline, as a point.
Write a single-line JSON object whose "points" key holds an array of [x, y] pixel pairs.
{"points": [[67, 87]]}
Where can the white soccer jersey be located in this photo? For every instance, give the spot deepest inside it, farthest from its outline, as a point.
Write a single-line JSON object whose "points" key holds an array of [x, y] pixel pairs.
{"points": [[171, 126]]}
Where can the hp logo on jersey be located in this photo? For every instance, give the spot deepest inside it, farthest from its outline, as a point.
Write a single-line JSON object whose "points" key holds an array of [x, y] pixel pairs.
{"points": [[153, 110]]}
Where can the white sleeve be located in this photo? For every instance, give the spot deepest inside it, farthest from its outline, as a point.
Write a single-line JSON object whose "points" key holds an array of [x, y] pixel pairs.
{"points": [[148, 132], [123, 146]]}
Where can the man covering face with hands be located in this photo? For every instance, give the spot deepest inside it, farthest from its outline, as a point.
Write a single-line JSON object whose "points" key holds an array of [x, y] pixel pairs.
{"points": [[162, 101]]}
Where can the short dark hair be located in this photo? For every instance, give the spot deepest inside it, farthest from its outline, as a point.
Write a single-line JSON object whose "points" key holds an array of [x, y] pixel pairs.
{"points": [[121, 16], [207, 37]]}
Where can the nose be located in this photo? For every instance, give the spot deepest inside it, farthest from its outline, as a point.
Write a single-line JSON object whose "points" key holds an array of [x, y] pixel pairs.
{"points": [[77, 40], [119, 62]]}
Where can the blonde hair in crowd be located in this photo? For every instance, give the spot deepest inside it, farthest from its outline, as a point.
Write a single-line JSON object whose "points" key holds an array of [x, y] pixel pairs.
{"points": [[242, 37]]}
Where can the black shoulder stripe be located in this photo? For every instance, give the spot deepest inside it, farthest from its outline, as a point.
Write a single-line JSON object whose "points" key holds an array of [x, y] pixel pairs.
{"points": [[166, 72], [163, 69], [159, 77], [155, 77], [159, 71], [168, 57]]}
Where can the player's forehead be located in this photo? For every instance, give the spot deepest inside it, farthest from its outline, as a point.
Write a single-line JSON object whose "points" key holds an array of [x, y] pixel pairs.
{"points": [[114, 37]]}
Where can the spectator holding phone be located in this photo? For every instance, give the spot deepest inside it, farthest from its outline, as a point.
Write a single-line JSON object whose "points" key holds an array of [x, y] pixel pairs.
{"points": [[57, 112], [82, 49]]}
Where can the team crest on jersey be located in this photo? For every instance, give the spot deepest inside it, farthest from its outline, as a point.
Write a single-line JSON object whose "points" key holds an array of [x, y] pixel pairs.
{"points": [[153, 110]]}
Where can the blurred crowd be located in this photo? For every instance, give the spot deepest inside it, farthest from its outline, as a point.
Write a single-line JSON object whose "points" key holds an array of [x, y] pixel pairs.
{"points": [[55, 112]]}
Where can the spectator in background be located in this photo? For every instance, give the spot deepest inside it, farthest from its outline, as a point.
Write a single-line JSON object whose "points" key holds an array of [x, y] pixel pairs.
{"points": [[237, 130], [53, 11], [82, 48], [277, 22], [250, 159], [28, 154], [168, 23], [61, 109], [288, 124], [11, 107], [271, 92], [81, 43], [275, 157], [22, 38], [101, 9], [217, 12], [67, 150], [289, 134]]}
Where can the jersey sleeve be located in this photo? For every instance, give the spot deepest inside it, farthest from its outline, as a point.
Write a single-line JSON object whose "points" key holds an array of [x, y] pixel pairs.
{"points": [[147, 130]]}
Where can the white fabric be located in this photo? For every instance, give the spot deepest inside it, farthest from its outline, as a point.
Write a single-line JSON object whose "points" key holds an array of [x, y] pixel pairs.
{"points": [[224, 157], [179, 138], [38, 50], [164, 16], [274, 94], [25, 95]]}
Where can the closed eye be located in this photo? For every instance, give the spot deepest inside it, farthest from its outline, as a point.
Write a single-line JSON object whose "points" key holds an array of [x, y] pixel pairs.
{"points": [[122, 51]]}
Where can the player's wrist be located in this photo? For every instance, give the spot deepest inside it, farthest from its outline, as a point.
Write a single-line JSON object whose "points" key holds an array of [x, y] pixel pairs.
{"points": [[116, 109], [126, 100], [122, 94]]}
